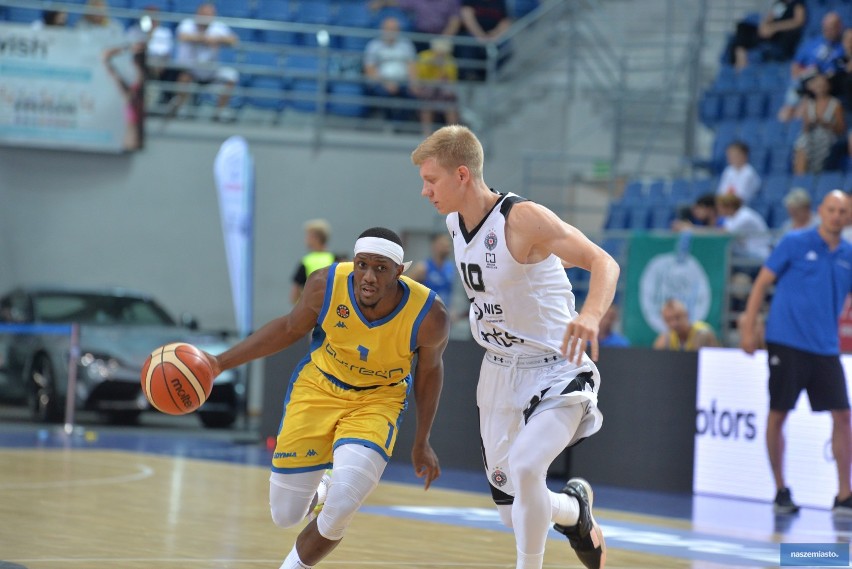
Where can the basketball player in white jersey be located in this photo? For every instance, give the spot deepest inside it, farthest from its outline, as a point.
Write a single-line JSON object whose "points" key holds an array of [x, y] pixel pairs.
{"points": [[537, 391]]}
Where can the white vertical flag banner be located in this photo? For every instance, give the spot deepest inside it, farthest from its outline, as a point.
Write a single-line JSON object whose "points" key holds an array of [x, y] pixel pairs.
{"points": [[234, 174]]}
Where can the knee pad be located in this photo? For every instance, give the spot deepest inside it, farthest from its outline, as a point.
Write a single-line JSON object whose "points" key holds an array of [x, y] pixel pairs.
{"points": [[290, 496], [357, 471], [505, 511]]}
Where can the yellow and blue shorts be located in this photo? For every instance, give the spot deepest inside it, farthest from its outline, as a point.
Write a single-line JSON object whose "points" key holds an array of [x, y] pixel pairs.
{"points": [[322, 412]]}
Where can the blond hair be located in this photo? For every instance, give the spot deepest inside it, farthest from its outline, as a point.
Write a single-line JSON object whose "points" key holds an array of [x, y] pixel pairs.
{"points": [[320, 227], [452, 146]]}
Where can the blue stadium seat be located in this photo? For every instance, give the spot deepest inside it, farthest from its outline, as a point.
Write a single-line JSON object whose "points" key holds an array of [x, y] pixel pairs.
{"points": [[394, 12], [774, 132], [725, 79], [162, 5], [746, 81], [304, 85], [354, 15], [732, 106], [778, 216], [826, 182], [709, 108], [186, 6], [272, 84], [806, 181], [764, 210], [681, 192], [347, 108], [775, 187], [638, 217], [234, 9], [702, 186], [658, 192], [616, 217], [523, 7], [780, 159], [662, 217], [754, 105], [316, 12], [759, 157], [634, 193]]}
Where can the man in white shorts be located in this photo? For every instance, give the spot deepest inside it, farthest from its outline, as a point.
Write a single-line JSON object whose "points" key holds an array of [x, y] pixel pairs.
{"points": [[537, 391]]}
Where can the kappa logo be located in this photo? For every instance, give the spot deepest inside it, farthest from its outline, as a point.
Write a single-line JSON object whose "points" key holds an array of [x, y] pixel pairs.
{"points": [[490, 240], [311, 452], [343, 311], [341, 324]]}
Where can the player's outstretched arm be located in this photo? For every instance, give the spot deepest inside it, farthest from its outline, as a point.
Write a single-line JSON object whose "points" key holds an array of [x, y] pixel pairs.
{"points": [[280, 332], [748, 319], [428, 381]]}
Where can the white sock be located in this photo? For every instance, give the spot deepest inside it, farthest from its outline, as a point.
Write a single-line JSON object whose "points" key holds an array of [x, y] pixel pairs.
{"points": [[565, 509], [293, 561], [530, 560]]}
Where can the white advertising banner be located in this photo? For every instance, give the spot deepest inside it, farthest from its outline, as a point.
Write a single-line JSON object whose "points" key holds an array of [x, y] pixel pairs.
{"points": [[730, 433], [56, 90], [234, 174]]}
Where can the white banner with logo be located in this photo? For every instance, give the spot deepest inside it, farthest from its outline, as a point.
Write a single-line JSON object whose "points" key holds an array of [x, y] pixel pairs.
{"points": [[56, 90], [730, 424], [234, 174]]}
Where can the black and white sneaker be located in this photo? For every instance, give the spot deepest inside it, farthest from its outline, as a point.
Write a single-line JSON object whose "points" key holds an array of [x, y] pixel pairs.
{"points": [[783, 503], [842, 508], [586, 538]]}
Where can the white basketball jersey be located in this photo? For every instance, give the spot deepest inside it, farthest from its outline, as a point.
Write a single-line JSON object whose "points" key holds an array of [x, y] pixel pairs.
{"points": [[516, 309]]}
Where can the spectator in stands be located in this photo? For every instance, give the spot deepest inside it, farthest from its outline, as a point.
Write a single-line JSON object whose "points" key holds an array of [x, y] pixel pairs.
{"points": [[739, 177], [776, 36], [389, 63], [607, 334], [487, 21], [435, 77], [823, 124], [701, 214], [51, 19], [815, 56], [841, 79], [798, 204], [438, 17], [681, 334], [159, 40], [198, 42], [97, 17], [438, 272], [317, 234], [751, 239]]}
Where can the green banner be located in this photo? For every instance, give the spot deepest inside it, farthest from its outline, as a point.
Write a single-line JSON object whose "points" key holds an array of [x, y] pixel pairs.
{"points": [[690, 268]]}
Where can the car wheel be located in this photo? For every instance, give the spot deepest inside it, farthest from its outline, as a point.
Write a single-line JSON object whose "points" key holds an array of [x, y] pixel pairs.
{"points": [[43, 398], [217, 419]]}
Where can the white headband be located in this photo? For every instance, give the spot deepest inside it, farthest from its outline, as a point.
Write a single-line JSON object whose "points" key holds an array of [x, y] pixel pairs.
{"points": [[381, 246]]}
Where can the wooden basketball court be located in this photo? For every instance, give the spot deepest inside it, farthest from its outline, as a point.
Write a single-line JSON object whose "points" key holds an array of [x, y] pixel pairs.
{"points": [[87, 503]]}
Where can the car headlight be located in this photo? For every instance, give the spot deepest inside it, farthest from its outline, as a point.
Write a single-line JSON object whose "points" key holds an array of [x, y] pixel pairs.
{"points": [[98, 366]]}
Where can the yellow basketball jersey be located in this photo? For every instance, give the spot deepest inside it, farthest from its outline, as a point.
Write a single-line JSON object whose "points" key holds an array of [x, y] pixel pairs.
{"points": [[355, 353], [691, 344]]}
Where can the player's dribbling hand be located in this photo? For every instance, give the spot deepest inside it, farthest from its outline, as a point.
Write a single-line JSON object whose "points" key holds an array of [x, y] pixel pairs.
{"points": [[747, 343], [214, 364], [581, 331], [425, 463]]}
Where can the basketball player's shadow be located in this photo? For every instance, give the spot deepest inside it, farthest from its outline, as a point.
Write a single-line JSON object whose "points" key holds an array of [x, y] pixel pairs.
{"points": [[783, 523], [843, 528]]}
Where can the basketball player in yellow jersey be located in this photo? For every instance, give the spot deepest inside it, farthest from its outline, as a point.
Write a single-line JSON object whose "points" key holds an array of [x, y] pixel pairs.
{"points": [[345, 399]]}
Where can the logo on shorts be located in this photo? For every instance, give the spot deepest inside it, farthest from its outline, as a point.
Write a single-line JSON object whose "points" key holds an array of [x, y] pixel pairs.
{"points": [[498, 477], [343, 311], [774, 360], [491, 240], [311, 452]]}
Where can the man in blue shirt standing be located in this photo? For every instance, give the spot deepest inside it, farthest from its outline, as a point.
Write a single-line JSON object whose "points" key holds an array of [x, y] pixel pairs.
{"points": [[812, 272]]}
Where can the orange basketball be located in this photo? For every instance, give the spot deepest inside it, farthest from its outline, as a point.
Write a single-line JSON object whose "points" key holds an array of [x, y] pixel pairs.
{"points": [[177, 378]]}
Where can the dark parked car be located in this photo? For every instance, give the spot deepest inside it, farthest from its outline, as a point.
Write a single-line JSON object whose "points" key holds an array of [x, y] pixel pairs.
{"points": [[118, 329]]}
